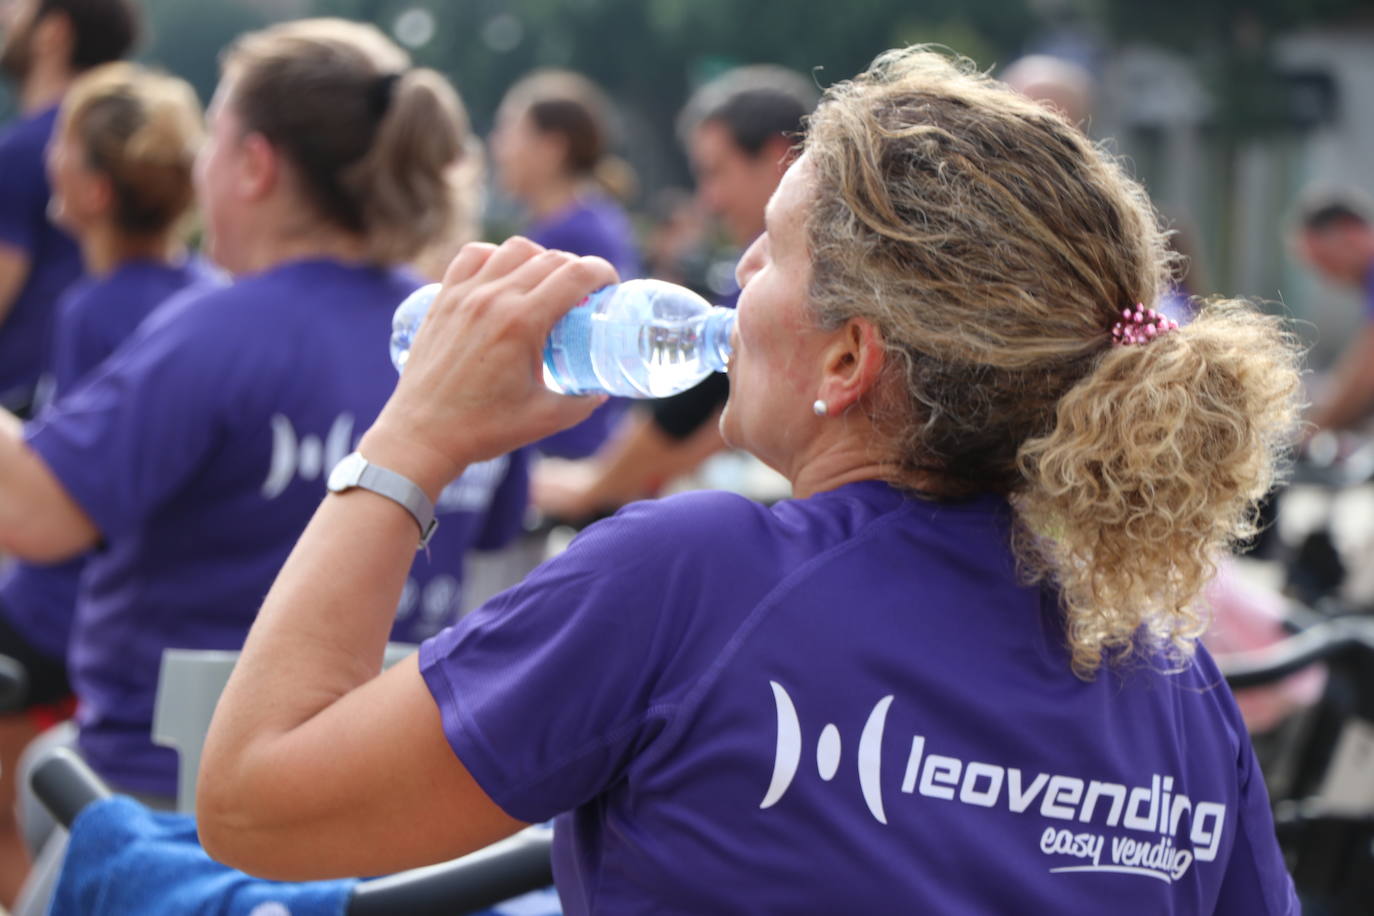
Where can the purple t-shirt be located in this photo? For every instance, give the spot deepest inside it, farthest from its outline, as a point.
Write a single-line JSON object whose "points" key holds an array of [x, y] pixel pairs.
{"points": [[843, 704], [596, 226], [200, 450], [54, 262], [94, 317]]}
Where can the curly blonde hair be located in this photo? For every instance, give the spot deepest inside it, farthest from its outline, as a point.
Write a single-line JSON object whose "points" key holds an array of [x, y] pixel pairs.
{"points": [[994, 245]]}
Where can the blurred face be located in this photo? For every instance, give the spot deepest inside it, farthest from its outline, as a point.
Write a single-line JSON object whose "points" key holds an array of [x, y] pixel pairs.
{"points": [[81, 196], [776, 369], [17, 20], [732, 184], [526, 158], [1342, 254], [218, 179]]}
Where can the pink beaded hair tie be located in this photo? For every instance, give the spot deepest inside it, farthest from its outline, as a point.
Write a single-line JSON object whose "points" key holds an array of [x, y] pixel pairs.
{"points": [[1141, 326]]}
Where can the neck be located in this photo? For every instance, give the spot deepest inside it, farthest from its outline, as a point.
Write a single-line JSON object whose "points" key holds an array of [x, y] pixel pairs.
{"points": [[555, 198], [268, 249], [103, 250], [838, 469], [840, 450], [43, 87]]}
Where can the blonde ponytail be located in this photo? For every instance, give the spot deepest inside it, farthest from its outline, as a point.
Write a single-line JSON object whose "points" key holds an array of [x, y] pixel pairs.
{"points": [[1154, 466], [994, 246]]}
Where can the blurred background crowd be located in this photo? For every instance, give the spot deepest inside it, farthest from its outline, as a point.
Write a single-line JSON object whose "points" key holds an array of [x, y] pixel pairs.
{"points": [[1227, 110]]}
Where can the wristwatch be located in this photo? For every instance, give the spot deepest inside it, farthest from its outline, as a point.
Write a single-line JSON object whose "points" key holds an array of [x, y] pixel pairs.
{"points": [[356, 471]]}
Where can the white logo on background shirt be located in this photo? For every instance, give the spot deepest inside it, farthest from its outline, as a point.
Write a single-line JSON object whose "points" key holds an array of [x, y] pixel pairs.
{"points": [[306, 455], [473, 490], [436, 601], [1155, 810]]}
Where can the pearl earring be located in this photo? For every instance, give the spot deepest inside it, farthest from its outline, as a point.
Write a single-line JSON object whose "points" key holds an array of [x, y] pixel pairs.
{"points": [[820, 408]]}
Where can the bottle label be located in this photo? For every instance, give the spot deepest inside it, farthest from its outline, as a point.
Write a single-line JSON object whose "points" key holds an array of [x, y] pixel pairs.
{"points": [[568, 352]]}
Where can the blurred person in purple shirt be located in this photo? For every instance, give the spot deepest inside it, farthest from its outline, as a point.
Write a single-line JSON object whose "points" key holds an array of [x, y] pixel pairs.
{"points": [[120, 165], [550, 149], [739, 131], [194, 456], [47, 44], [957, 673]]}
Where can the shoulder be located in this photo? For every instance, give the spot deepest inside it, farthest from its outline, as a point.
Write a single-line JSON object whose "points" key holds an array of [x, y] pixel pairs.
{"points": [[77, 299], [27, 134], [608, 219], [21, 149], [204, 328], [709, 516], [197, 306], [678, 530], [1196, 692], [592, 223], [738, 536]]}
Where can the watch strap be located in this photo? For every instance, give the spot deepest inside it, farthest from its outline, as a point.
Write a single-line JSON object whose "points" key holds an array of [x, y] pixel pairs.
{"points": [[399, 489]]}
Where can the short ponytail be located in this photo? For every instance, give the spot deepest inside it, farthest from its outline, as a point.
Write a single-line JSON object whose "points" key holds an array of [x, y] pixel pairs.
{"points": [[402, 183], [372, 141], [617, 178], [1153, 467]]}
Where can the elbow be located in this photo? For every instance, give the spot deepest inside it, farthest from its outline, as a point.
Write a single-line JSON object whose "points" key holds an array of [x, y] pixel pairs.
{"points": [[221, 824], [227, 818], [230, 835], [21, 543], [240, 823], [43, 532]]}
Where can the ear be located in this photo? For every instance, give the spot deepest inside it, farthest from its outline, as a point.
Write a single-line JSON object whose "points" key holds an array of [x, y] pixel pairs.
{"points": [[853, 363], [259, 167], [99, 194]]}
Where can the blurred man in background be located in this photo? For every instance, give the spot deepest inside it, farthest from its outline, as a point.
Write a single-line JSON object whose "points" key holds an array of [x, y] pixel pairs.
{"points": [[46, 44], [1335, 237]]}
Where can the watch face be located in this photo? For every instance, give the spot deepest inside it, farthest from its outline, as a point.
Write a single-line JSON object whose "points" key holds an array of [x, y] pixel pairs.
{"points": [[346, 472]]}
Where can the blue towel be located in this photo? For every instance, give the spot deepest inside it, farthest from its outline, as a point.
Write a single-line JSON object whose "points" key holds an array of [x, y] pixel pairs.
{"points": [[126, 859]]}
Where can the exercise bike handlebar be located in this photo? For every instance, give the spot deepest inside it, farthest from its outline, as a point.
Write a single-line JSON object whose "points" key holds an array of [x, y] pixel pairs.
{"points": [[65, 784], [1321, 641]]}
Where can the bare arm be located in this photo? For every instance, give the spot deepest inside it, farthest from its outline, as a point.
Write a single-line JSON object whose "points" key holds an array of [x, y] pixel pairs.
{"points": [[39, 521], [1352, 393], [14, 270], [638, 460], [314, 765]]}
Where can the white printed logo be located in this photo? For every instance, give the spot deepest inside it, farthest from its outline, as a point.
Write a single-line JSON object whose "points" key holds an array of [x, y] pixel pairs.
{"points": [[306, 455], [828, 752], [1154, 810], [434, 604]]}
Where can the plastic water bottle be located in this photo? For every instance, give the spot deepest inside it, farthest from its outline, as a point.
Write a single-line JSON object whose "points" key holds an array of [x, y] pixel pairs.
{"points": [[637, 339]]}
